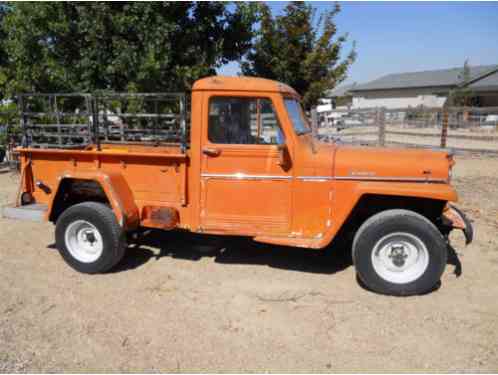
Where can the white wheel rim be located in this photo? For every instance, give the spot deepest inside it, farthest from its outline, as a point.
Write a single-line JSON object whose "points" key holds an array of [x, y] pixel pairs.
{"points": [[84, 241], [400, 258]]}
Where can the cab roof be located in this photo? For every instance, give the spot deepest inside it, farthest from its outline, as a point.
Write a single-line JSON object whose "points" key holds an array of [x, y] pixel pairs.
{"points": [[216, 83]]}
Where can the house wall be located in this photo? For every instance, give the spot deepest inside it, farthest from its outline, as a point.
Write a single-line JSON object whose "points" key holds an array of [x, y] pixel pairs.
{"points": [[324, 108], [398, 98], [488, 99]]}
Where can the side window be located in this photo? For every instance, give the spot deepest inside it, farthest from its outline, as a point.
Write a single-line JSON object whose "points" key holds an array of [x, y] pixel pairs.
{"points": [[270, 130], [243, 121]]}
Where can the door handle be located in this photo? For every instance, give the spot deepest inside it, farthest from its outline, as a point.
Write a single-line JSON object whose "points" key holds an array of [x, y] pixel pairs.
{"points": [[209, 151]]}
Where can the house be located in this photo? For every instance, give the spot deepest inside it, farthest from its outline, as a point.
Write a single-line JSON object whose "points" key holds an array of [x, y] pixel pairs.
{"points": [[427, 88], [340, 96], [335, 103]]}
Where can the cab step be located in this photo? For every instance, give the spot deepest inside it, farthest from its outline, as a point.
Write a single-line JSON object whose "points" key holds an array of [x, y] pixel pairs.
{"points": [[29, 212]]}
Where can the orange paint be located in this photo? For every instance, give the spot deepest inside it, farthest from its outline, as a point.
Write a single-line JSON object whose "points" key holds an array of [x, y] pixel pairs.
{"points": [[298, 195]]}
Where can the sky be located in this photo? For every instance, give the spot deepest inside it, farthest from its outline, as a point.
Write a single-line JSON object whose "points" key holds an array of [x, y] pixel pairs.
{"points": [[395, 37]]}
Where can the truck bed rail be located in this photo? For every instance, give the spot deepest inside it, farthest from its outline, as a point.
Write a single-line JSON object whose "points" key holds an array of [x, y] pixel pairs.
{"points": [[76, 120]]}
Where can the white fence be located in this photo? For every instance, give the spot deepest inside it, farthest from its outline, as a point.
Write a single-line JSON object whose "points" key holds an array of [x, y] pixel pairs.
{"points": [[458, 128]]}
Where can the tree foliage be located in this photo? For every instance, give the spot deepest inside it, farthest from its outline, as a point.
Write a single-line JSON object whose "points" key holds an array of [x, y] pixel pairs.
{"points": [[295, 49], [462, 95], [162, 46], [9, 121], [3, 53]]}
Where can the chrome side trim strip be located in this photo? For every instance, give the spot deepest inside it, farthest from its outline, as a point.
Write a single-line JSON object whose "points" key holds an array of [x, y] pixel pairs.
{"points": [[243, 176], [370, 178], [315, 178], [391, 179]]}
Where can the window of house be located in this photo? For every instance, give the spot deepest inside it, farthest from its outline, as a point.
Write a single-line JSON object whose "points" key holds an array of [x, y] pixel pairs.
{"points": [[243, 121]]}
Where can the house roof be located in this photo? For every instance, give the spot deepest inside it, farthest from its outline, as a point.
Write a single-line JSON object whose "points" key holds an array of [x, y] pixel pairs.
{"points": [[429, 78], [340, 91], [488, 83]]}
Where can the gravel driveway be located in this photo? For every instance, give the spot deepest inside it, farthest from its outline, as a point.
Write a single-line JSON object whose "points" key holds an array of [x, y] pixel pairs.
{"points": [[182, 303]]}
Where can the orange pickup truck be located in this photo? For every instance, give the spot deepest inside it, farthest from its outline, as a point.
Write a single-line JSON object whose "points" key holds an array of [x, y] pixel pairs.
{"points": [[245, 163]]}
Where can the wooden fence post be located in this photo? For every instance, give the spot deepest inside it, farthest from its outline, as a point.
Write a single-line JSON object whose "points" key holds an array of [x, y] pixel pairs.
{"points": [[314, 121], [444, 128], [381, 119]]}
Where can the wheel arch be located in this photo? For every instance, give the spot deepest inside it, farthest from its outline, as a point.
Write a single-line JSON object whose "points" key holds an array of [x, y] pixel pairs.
{"points": [[370, 204], [109, 188], [369, 198]]}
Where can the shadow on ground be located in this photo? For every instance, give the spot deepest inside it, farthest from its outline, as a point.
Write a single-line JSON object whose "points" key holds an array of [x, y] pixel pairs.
{"points": [[154, 245], [454, 260], [232, 250]]}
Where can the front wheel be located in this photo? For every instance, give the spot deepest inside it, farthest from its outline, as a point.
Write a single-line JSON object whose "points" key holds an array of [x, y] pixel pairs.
{"points": [[399, 252]]}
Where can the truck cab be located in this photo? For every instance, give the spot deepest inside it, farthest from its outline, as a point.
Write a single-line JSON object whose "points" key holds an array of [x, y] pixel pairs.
{"points": [[259, 170], [248, 164]]}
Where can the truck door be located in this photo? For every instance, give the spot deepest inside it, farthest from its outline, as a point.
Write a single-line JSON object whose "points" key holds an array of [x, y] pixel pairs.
{"points": [[244, 189]]}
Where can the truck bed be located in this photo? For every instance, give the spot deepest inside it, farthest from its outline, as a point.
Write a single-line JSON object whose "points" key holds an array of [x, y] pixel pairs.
{"points": [[156, 176]]}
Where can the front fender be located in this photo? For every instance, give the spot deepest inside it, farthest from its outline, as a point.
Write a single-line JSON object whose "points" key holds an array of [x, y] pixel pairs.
{"points": [[437, 191], [348, 194]]}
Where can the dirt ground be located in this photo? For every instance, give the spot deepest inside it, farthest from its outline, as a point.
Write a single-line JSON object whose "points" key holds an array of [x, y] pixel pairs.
{"points": [[183, 304]]}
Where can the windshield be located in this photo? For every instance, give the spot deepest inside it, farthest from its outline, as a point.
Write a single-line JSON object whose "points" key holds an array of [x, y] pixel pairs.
{"points": [[297, 116]]}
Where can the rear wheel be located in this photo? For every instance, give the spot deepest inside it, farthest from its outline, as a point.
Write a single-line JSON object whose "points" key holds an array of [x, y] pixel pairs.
{"points": [[89, 237], [399, 252]]}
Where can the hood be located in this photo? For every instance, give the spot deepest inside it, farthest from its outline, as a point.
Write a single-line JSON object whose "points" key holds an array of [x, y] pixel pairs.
{"points": [[396, 164]]}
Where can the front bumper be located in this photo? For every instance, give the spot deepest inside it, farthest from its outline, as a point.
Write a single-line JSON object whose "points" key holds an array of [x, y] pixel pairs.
{"points": [[454, 218]]}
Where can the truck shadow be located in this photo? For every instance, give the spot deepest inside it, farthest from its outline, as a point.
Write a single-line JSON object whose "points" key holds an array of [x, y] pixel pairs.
{"points": [[454, 260], [232, 250], [242, 250]]}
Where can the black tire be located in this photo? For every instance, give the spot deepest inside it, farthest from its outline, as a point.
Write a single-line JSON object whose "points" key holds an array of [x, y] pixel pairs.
{"points": [[112, 235], [411, 226]]}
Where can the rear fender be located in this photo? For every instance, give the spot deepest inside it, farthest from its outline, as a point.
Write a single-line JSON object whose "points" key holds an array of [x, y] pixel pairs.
{"points": [[117, 191]]}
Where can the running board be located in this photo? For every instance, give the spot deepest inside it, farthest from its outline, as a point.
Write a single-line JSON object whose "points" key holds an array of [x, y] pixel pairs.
{"points": [[30, 212]]}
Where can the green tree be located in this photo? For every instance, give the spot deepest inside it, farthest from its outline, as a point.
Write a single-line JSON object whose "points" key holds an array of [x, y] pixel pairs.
{"points": [[3, 12], [9, 122], [72, 46], [462, 95], [3, 54], [294, 49]]}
